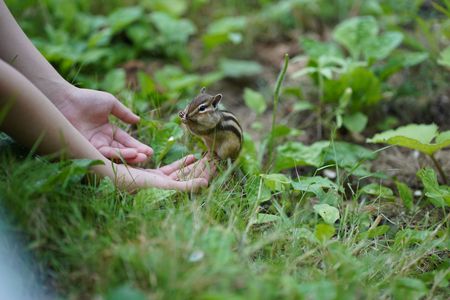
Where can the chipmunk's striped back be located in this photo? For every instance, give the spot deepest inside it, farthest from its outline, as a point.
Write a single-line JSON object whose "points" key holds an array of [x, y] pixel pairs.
{"points": [[230, 123]]}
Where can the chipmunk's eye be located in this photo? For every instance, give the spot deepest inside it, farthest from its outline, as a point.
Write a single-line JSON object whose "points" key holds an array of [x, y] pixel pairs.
{"points": [[202, 107]]}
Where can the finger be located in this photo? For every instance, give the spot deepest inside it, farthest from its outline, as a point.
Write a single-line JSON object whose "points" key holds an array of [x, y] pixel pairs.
{"points": [[124, 113], [118, 153], [190, 185], [128, 141], [140, 158], [203, 168], [185, 161]]}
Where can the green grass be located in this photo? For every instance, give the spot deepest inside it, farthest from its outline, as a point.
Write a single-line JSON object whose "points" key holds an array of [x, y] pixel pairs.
{"points": [[246, 236], [95, 240]]}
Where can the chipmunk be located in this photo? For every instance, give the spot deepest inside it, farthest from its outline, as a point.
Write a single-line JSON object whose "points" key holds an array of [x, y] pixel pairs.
{"points": [[219, 129]]}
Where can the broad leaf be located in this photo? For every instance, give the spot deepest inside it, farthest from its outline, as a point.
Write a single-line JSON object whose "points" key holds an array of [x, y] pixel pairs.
{"points": [[377, 190], [265, 218], [408, 288], [414, 136], [314, 184], [123, 17], [374, 232], [114, 81], [276, 182], [444, 57], [172, 7], [239, 68], [224, 30], [382, 46], [348, 155], [364, 85], [355, 122], [324, 232], [255, 101], [328, 213], [315, 49], [438, 195], [356, 33], [294, 154]]}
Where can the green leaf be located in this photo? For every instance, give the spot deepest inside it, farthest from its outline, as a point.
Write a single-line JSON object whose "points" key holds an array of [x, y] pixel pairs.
{"points": [[360, 36], [66, 173], [314, 184], [140, 34], [315, 49], [414, 136], [123, 17], [328, 213], [408, 288], [302, 105], [380, 47], [377, 190], [374, 232], [281, 130], [356, 33], [405, 194], [114, 81], [438, 195], [365, 89], [322, 289], [224, 30], [146, 199], [173, 34], [292, 154], [125, 291], [444, 57], [406, 237], [174, 8], [239, 68], [409, 59], [348, 155], [167, 135], [355, 122], [324, 232], [249, 156], [255, 101], [256, 190], [398, 60], [276, 182], [265, 218]]}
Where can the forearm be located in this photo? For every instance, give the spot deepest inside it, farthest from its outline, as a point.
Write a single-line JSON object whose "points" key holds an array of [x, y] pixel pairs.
{"points": [[17, 50], [31, 118]]}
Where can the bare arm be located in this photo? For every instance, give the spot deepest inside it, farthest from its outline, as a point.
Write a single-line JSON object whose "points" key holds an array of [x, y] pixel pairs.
{"points": [[17, 50], [32, 116], [87, 110]]}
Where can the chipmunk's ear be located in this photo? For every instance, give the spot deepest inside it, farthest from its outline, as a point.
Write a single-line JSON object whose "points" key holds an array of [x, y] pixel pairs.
{"points": [[203, 90], [216, 100]]}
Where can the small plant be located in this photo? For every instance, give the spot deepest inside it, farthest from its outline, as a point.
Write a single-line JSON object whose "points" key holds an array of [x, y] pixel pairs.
{"points": [[353, 84], [424, 138]]}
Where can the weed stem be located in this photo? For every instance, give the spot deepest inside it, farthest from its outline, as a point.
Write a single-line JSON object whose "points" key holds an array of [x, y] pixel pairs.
{"points": [[439, 168], [276, 97]]}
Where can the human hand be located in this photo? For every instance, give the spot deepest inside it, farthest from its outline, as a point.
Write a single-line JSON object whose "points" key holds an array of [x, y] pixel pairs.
{"points": [[195, 174], [89, 111]]}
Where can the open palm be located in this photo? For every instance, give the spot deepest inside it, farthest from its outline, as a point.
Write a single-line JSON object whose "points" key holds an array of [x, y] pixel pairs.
{"points": [[89, 111]]}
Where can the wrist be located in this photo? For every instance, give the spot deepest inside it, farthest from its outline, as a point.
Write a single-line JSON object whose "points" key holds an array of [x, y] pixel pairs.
{"points": [[57, 90]]}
